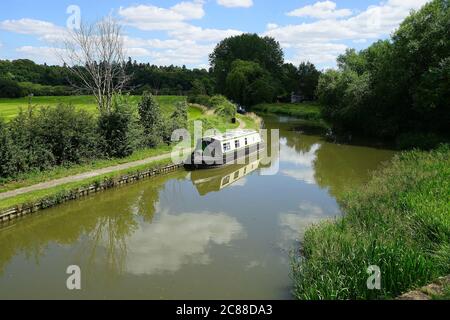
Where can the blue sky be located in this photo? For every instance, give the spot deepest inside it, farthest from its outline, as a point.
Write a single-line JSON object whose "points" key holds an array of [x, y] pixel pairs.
{"points": [[184, 32]]}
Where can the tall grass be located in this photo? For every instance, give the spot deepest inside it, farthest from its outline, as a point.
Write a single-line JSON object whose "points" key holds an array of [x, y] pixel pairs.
{"points": [[399, 222]]}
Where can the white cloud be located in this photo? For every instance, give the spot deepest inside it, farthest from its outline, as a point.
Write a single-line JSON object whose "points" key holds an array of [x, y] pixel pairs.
{"points": [[323, 35], [318, 53], [199, 34], [43, 29], [236, 3], [49, 55], [149, 17], [321, 10], [173, 241]]}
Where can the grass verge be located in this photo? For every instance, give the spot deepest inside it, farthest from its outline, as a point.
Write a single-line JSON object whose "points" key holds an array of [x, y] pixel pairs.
{"points": [[52, 195], [399, 222]]}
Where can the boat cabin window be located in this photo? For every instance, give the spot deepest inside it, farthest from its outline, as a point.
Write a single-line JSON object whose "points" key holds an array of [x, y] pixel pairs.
{"points": [[206, 144], [237, 144], [226, 147]]}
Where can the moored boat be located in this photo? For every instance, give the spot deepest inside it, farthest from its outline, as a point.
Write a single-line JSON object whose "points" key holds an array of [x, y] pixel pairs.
{"points": [[225, 149]]}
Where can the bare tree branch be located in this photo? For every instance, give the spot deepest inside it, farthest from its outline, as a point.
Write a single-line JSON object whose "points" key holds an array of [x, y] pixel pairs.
{"points": [[95, 55]]}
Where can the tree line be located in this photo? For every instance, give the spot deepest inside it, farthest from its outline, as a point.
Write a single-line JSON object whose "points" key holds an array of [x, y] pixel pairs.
{"points": [[20, 78], [247, 69], [397, 88]]}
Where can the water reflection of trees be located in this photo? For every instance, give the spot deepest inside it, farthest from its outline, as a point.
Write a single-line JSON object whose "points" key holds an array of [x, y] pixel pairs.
{"points": [[102, 233], [338, 167]]}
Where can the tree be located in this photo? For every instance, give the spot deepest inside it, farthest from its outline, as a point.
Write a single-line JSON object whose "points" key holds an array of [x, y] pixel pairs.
{"points": [[247, 47], [308, 77], [95, 55], [398, 88], [249, 84], [10, 89], [151, 119]]}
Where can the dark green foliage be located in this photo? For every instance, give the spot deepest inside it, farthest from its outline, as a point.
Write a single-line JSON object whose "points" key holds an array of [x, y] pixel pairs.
{"points": [[308, 78], [10, 89], [44, 80], [6, 151], [151, 119], [395, 87], [248, 47], [249, 84], [177, 121], [200, 99], [69, 134], [113, 130], [400, 222]]}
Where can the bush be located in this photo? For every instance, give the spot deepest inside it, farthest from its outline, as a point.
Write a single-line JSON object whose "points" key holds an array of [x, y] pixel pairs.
{"points": [[224, 108], [31, 152], [178, 120], [203, 100], [151, 119], [114, 130], [10, 89], [69, 134], [6, 152]]}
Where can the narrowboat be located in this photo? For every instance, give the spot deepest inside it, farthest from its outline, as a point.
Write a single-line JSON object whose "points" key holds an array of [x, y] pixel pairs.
{"points": [[225, 149]]}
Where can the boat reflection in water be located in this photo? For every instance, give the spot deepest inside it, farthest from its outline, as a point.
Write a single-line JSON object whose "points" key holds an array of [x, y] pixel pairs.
{"points": [[214, 180]]}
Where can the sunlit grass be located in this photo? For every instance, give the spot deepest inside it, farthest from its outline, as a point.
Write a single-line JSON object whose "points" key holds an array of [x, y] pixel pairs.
{"points": [[9, 108]]}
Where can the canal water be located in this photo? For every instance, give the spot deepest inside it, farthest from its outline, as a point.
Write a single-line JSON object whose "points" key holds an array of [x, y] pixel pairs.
{"points": [[216, 234]]}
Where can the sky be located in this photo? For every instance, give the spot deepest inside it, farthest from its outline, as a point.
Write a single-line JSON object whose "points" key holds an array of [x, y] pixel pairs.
{"points": [[165, 32]]}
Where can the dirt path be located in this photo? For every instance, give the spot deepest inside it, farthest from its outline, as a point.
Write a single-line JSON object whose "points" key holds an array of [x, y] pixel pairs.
{"points": [[81, 176], [90, 174]]}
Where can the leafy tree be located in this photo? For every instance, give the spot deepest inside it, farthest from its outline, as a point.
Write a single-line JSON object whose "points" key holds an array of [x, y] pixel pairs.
{"points": [[308, 77], [396, 88], [264, 51], [10, 89], [113, 129], [151, 119]]}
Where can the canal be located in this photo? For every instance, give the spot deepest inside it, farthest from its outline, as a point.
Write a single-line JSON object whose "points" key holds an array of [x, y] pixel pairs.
{"points": [[216, 234]]}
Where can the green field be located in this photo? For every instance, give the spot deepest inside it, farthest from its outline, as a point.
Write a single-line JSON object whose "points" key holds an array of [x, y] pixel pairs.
{"points": [[10, 107]]}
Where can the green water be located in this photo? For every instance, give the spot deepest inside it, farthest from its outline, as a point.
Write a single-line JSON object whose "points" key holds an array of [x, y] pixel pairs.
{"points": [[217, 234]]}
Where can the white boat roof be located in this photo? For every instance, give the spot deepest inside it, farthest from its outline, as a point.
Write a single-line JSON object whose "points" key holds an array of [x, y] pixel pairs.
{"points": [[232, 134]]}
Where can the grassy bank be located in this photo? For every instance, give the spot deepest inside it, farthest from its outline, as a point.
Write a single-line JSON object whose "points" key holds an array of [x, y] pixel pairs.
{"points": [[52, 195], [400, 222]]}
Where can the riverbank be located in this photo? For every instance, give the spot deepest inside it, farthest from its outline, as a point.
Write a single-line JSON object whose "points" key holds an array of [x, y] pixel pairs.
{"points": [[35, 201], [398, 222], [36, 186]]}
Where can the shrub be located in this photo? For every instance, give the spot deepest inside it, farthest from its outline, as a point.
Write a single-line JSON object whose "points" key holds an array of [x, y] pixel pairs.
{"points": [[151, 119], [6, 152], [69, 134], [203, 100], [113, 129], [10, 89]]}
